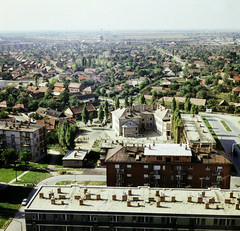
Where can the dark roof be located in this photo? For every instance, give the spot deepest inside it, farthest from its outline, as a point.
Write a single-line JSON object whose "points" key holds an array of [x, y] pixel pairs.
{"points": [[50, 124], [86, 96], [54, 113], [71, 121], [78, 110]]}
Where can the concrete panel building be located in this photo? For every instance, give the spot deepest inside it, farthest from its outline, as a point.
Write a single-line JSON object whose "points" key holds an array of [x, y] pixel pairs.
{"points": [[24, 135], [77, 208], [74, 158]]}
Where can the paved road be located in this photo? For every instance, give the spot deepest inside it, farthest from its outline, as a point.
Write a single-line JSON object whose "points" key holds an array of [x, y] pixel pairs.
{"points": [[228, 139]]}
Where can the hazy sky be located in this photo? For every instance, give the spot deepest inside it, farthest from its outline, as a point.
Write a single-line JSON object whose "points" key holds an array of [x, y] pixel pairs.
{"points": [[99, 15]]}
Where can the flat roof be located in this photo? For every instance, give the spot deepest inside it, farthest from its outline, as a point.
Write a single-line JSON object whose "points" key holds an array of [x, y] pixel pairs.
{"points": [[167, 150], [196, 129], [75, 154], [143, 200], [20, 127]]}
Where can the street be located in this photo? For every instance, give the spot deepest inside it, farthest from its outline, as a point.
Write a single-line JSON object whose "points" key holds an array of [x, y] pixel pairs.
{"points": [[227, 138]]}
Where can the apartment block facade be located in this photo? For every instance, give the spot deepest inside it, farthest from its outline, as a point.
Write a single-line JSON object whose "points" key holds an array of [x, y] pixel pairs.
{"points": [[24, 135], [77, 208], [167, 165]]}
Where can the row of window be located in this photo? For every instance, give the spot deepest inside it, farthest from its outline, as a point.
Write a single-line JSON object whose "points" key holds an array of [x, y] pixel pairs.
{"points": [[158, 167]]}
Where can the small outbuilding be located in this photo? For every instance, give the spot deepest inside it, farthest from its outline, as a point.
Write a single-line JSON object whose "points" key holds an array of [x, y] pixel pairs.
{"points": [[74, 158]]}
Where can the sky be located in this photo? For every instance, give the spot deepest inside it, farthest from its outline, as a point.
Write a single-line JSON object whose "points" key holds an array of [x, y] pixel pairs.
{"points": [[110, 15]]}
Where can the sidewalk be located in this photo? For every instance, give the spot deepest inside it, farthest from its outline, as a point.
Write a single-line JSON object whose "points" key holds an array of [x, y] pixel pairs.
{"points": [[18, 177]]}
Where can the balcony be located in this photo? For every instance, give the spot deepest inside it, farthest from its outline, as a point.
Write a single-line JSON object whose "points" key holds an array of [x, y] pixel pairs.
{"points": [[217, 173], [216, 182], [120, 181], [154, 172], [120, 171], [180, 172]]}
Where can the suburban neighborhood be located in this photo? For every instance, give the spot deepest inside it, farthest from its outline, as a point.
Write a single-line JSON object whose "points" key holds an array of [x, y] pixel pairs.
{"points": [[133, 130]]}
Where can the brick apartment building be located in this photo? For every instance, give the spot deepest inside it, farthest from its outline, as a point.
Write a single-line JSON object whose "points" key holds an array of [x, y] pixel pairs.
{"points": [[24, 135], [196, 164], [167, 165]]}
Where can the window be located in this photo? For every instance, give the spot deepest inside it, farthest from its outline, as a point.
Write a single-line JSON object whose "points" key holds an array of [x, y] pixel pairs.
{"points": [[145, 166], [219, 178], [163, 177], [207, 168], [176, 158], [129, 166], [190, 167], [207, 177], [145, 176], [221, 221], [157, 177], [168, 159], [203, 221], [178, 177], [117, 166], [159, 157], [129, 175], [179, 168], [172, 177], [215, 221], [218, 169], [13, 136], [190, 177], [151, 118], [156, 167], [163, 167]]}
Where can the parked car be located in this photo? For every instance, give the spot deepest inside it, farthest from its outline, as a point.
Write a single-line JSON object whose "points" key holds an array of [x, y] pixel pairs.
{"points": [[25, 201]]}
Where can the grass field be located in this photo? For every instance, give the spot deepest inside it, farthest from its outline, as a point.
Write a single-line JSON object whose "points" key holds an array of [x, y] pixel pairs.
{"points": [[98, 183], [8, 174], [226, 126], [219, 145], [10, 203], [33, 177]]}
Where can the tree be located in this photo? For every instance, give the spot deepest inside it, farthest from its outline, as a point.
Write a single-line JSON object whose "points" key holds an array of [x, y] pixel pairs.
{"points": [[74, 101], [9, 156], [64, 98], [100, 114], [142, 99], [130, 101], [66, 135], [48, 94], [36, 80], [152, 101], [126, 103], [116, 105], [187, 105], [85, 115], [91, 118], [106, 110], [25, 155], [173, 104]]}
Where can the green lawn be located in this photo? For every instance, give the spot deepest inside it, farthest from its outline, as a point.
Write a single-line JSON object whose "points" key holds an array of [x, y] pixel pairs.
{"points": [[8, 174], [10, 203], [226, 126], [33, 177], [219, 145], [98, 183]]}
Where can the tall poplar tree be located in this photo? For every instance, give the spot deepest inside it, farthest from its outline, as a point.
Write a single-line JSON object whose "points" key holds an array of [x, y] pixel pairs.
{"points": [[100, 114], [85, 115]]}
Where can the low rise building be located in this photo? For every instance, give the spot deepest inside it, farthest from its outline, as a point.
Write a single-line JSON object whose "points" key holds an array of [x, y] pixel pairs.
{"points": [[77, 207], [74, 158], [131, 121]]}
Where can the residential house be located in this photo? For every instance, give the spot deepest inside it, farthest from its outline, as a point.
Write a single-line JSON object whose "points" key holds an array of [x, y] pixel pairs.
{"points": [[88, 90], [71, 121], [41, 111], [49, 124], [44, 89], [76, 112], [5, 104], [195, 101], [75, 87], [24, 106], [31, 89], [86, 97], [53, 114]]}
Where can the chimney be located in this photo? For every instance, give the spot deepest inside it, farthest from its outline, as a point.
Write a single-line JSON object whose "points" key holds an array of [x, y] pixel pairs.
{"points": [[121, 107], [144, 107], [128, 203], [149, 146], [157, 193], [52, 201], [173, 199], [114, 197], [185, 147], [6, 124], [237, 206], [207, 206], [81, 202], [41, 195], [132, 107], [98, 197], [231, 194], [59, 190], [129, 192], [158, 203]]}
